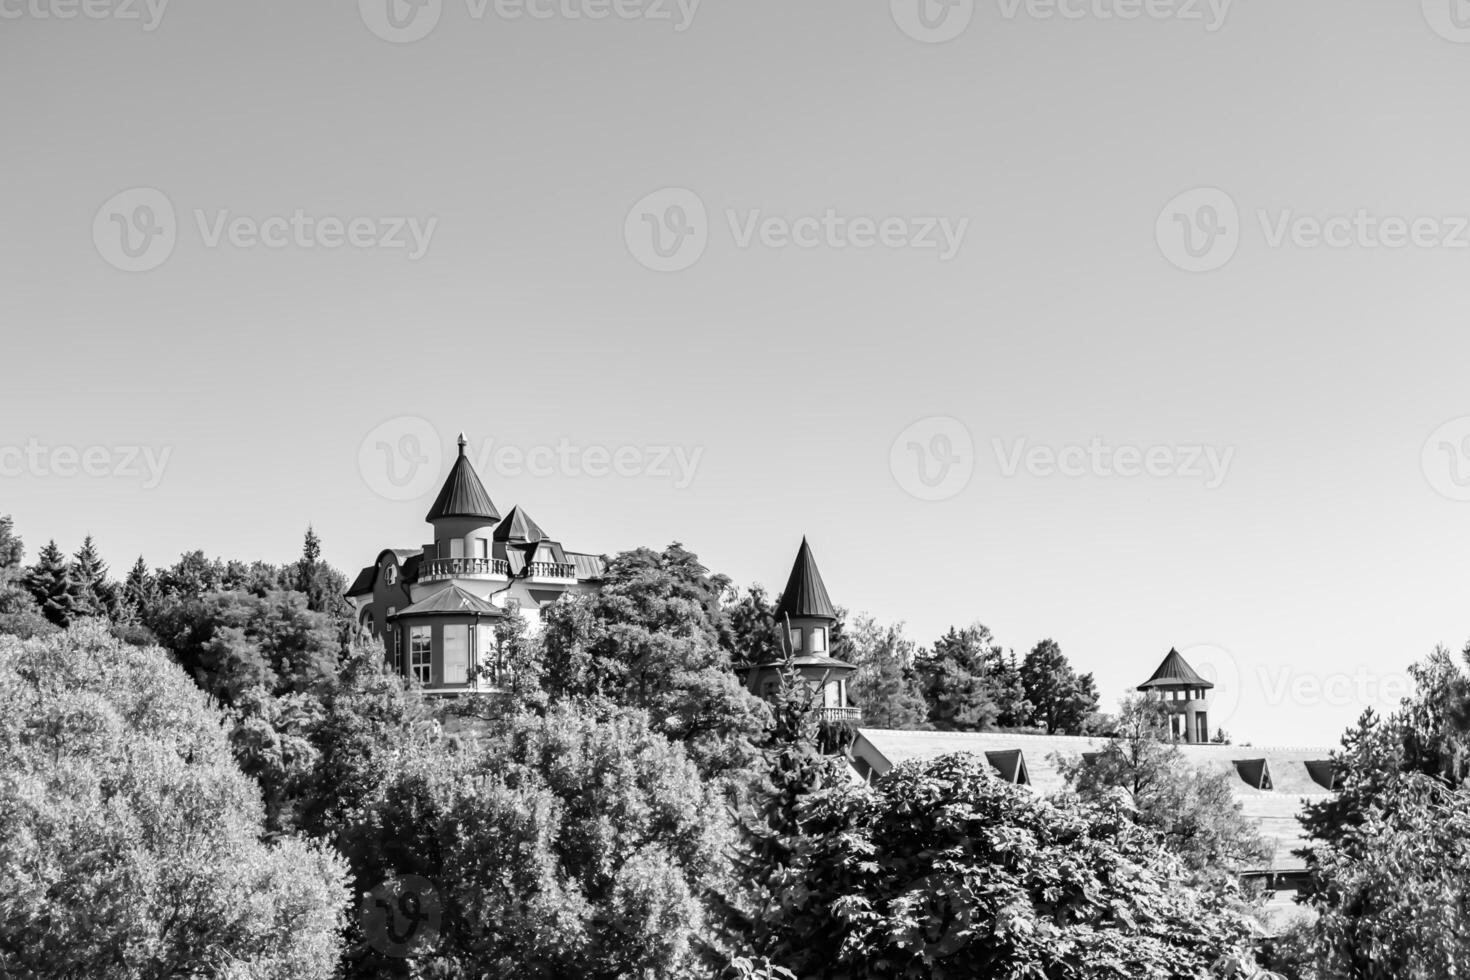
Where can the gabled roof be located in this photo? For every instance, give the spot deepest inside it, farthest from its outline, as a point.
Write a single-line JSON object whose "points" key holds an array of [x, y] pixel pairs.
{"points": [[805, 595], [453, 601], [363, 584], [1174, 672], [518, 526], [463, 495]]}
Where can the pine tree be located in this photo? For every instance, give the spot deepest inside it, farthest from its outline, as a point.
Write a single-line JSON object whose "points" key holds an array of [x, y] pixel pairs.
{"points": [[12, 550], [1062, 700], [95, 596], [51, 583], [138, 597]]}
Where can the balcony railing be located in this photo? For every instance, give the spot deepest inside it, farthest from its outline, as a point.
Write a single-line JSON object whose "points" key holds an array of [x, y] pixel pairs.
{"points": [[437, 569], [553, 569], [839, 714]]}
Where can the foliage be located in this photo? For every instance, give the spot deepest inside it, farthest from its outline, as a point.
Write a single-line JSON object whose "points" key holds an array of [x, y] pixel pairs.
{"points": [[1062, 701], [53, 586], [654, 638], [969, 685], [886, 684], [19, 614], [946, 871], [569, 845], [132, 842], [1194, 812]]}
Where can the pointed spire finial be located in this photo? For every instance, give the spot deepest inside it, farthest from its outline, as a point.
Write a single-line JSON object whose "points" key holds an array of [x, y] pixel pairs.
{"points": [[462, 443]]}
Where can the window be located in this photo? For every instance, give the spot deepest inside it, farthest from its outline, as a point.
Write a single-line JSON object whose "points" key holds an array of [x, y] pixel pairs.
{"points": [[456, 654], [796, 640], [482, 548], [830, 698], [819, 640], [421, 653], [390, 574], [456, 548], [397, 651]]}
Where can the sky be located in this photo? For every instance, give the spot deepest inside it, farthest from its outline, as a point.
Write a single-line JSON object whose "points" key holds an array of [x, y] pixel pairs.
{"points": [[1133, 325]]}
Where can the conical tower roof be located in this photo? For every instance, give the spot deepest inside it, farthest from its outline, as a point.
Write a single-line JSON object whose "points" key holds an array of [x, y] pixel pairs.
{"points": [[463, 494], [1174, 672], [805, 595], [518, 526]]}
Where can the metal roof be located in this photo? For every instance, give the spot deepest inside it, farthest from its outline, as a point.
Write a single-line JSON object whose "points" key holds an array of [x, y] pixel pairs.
{"points": [[452, 601], [1274, 811], [805, 595], [363, 584], [463, 495], [518, 526], [1174, 672], [590, 568]]}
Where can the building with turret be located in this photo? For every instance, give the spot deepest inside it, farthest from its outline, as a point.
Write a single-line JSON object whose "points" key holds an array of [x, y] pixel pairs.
{"points": [[1184, 695], [806, 619], [435, 607]]}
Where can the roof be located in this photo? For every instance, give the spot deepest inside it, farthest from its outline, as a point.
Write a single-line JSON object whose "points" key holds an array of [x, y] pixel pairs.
{"points": [[363, 584], [589, 567], [1274, 811], [453, 601], [805, 595], [1174, 672], [518, 526], [808, 660], [463, 495]]}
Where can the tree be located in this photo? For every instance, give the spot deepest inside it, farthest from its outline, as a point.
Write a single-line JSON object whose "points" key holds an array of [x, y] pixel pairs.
{"points": [[132, 844], [571, 845], [755, 634], [654, 638], [1062, 701], [19, 614], [1194, 812], [52, 585], [95, 594], [968, 683], [885, 685], [945, 871]]}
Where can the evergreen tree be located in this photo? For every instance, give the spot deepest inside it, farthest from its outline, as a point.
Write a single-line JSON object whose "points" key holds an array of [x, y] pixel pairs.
{"points": [[52, 585], [96, 596], [138, 597], [19, 614], [1062, 701], [968, 684], [12, 550], [886, 685]]}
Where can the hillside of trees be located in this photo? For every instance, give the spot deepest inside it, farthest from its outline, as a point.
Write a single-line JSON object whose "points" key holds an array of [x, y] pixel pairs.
{"points": [[208, 772]]}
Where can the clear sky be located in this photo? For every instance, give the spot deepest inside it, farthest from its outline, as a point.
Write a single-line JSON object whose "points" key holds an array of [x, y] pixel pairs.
{"points": [[1321, 552]]}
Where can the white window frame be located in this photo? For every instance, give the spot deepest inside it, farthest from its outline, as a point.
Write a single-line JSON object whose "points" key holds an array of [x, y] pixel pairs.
{"points": [[421, 658], [796, 639], [818, 640]]}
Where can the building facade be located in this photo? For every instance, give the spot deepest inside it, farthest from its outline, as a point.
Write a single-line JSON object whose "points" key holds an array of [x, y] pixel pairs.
{"points": [[435, 607]]}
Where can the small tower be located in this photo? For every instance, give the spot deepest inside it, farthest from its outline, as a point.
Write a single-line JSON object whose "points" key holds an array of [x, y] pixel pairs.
{"points": [[464, 519], [1184, 694], [805, 613]]}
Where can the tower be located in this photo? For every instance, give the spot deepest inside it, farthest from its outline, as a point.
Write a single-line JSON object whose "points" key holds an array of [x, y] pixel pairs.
{"points": [[805, 613], [1185, 696], [464, 519]]}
